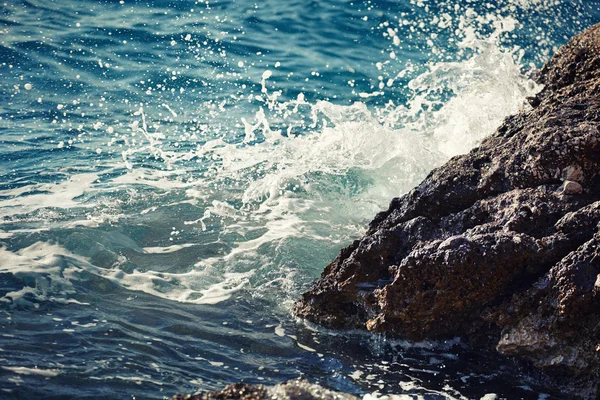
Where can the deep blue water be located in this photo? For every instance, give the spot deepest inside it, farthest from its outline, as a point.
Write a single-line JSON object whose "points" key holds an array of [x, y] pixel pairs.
{"points": [[174, 174]]}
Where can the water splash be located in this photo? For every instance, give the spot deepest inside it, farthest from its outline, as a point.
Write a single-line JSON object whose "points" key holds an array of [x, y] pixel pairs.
{"points": [[316, 178], [279, 179]]}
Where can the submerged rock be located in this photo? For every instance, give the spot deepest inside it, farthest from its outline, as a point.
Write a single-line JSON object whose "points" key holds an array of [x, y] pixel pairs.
{"points": [[296, 390], [500, 245]]}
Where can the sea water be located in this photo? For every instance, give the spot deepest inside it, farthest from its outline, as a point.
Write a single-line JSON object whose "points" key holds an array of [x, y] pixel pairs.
{"points": [[174, 174]]}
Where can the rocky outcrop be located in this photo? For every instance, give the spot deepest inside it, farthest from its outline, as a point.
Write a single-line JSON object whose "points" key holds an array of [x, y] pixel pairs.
{"points": [[296, 390], [501, 245]]}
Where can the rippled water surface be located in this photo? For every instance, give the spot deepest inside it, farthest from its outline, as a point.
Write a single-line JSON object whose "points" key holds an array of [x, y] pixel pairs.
{"points": [[174, 174]]}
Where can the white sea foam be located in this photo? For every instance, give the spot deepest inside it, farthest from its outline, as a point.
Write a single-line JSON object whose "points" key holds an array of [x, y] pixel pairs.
{"points": [[57, 195], [46, 264], [53, 270], [48, 373], [168, 249]]}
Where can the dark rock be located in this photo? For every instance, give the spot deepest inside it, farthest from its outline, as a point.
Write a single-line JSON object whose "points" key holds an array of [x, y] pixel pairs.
{"points": [[291, 390], [501, 245]]}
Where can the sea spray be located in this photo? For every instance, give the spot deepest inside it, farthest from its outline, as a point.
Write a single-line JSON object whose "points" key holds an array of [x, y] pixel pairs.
{"points": [[299, 166]]}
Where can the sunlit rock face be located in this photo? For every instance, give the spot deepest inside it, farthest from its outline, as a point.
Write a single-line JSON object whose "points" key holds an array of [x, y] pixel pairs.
{"points": [[500, 245]]}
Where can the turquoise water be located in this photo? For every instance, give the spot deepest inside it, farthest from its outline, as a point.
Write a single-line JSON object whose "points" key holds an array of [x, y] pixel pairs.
{"points": [[174, 174]]}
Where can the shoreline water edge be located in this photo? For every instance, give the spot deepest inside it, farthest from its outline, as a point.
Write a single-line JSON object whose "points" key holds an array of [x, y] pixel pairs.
{"points": [[500, 246]]}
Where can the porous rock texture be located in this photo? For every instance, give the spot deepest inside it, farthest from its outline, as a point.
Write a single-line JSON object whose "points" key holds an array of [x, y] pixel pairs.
{"points": [[500, 246], [292, 390]]}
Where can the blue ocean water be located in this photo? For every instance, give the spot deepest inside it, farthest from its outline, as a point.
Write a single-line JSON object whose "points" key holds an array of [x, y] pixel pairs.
{"points": [[174, 174]]}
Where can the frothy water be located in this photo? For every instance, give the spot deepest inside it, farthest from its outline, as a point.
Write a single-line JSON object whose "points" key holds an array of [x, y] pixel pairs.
{"points": [[175, 174]]}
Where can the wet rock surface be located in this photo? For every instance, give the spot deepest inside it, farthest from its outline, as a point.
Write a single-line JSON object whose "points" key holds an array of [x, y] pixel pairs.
{"points": [[291, 390], [500, 246]]}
